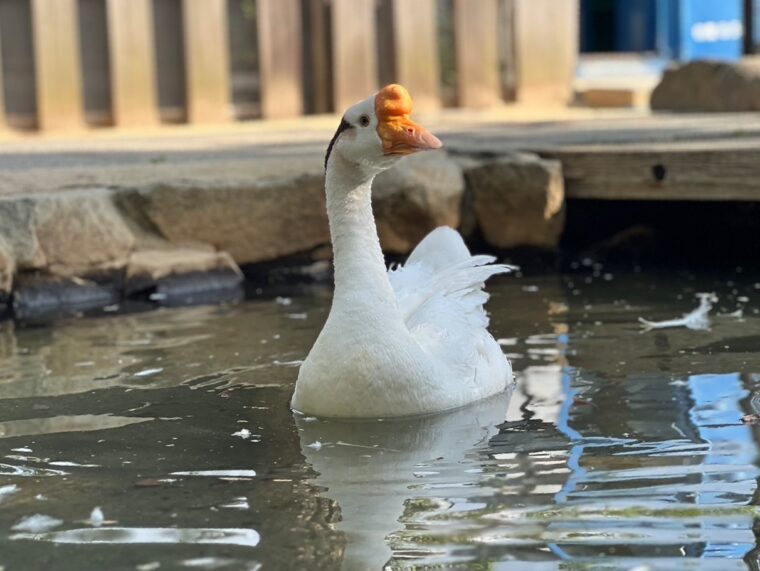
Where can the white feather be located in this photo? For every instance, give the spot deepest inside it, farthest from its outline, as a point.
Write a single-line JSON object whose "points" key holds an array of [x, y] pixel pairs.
{"points": [[440, 296]]}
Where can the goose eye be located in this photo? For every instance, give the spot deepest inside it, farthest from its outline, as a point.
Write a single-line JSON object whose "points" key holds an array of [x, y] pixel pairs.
{"points": [[364, 120]]}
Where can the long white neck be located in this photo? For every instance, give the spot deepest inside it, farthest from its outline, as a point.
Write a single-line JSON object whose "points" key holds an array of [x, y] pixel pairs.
{"points": [[361, 280]]}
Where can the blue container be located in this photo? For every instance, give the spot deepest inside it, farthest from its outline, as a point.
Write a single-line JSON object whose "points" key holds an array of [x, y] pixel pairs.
{"points": [[635, 25], [700, 29]]}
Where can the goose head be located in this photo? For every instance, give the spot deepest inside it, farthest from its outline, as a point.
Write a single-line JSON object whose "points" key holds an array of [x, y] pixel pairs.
{"points": [[378, 131]]}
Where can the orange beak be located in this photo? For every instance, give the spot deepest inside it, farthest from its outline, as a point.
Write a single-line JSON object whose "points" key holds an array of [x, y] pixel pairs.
{"points": [[399, 134]]}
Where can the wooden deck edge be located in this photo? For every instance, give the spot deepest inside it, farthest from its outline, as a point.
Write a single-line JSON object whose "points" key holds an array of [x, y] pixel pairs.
{"points": [[710, 171]]}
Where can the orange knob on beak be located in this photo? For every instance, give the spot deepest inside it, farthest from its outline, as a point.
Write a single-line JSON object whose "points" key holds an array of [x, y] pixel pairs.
{"points": [[399, 134]]}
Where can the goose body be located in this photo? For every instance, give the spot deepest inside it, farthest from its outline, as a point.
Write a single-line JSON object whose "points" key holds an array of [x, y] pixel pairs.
{"points": [[412, 340]]}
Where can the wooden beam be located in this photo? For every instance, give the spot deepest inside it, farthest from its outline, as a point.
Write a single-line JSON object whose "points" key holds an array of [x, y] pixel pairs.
{"points": [[477, 53], [415, 33], [354, 51], [57, 66], [207, 61], [280, 65], [319, 81], [3, 121], [132, 57], [722, 169], [506, 42], [546, 49]]}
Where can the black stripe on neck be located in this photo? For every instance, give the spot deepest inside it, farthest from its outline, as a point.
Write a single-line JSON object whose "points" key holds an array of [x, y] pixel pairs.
{"points": [[342, 127]]}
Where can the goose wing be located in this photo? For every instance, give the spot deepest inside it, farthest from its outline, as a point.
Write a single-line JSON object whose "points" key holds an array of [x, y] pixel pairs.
{"points": [[440, 293]]}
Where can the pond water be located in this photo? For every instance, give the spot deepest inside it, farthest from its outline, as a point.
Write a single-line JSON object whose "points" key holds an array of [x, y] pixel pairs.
{"points": [[618, 449]]}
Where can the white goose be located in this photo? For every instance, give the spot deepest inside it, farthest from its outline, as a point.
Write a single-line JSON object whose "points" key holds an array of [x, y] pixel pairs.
{"points": [[404, 342]]}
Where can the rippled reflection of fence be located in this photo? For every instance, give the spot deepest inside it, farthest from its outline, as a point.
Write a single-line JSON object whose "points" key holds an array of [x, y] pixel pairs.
{"points": [[73, 63]]}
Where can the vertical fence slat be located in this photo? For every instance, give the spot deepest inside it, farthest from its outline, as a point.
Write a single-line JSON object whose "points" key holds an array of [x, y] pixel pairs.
{"points": [[354, 51], [546, 48], [133, 79], [506, 39], [416, 51], [171, 78], [96, 67], [18, 64], [317, 56], [206, 60], [280, 66], [57, 66], [3, 122], [477, 56]]}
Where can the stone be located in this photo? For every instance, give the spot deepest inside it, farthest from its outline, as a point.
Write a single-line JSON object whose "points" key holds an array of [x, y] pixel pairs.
{"points": [[417, 195], [149, 268], [710, 86], [7, 270], [38, 295], [81, 232], [254, 222], [199, 289], [17, 217], [518, 201], [468, 224]]}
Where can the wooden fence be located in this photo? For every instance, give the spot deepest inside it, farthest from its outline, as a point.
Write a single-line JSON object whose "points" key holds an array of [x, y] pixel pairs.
{"points": [[73, 63]]}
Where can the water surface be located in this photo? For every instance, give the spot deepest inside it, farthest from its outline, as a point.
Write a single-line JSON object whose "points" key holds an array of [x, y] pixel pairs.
{"points": [[617, 449]]}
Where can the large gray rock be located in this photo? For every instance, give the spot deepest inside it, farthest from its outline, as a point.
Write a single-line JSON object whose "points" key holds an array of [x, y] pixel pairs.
{"points": [[49, 241], [39, 294], [419, 194], [710, 86], [518, 201], [17, 227], [148, 268], [254, 222], [7, 270], [81, 232]]}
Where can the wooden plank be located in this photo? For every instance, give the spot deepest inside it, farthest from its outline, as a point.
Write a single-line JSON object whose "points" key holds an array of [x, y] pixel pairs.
{"points": [[96, 67], [477, 53], [131, 51], [168, 37], [3, 121], [546, 49], [280, 66], [319, 83], [57, 64], [206, 61], [18, 64], [416, 51], [723, 169], [354, 51], [506, 43]]}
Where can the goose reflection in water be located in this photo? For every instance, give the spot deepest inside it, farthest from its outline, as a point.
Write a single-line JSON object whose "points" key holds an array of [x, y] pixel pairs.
{"points": [[374, 469]]}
